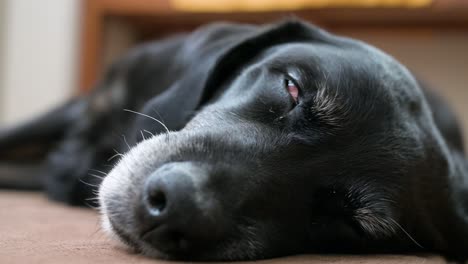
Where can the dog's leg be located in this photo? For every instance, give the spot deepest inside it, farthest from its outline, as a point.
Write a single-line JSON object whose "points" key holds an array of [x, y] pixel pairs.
{"points": [[20, 176], [24, 147], [41, 131]]}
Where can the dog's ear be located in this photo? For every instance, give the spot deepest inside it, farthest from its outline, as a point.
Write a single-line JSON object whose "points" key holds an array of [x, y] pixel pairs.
{"points": [[210, 56]]}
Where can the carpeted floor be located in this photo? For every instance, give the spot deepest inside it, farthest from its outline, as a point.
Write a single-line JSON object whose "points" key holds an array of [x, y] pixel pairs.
{"points": [[35, 230]]}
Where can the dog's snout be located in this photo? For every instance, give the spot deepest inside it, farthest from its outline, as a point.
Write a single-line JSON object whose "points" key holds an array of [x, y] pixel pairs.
{"points": [[167, 192], [176, 212]]}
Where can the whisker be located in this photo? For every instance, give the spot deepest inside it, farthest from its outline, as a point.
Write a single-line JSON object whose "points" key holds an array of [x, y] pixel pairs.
{"points": [[126, 142], [143, 136], [404, 231], [98, 171], [89, 184], [96, 176], [160, 117], [96, 230], [117, 152], [148, 132], [92, 207], [150, 117], [114, 156]]}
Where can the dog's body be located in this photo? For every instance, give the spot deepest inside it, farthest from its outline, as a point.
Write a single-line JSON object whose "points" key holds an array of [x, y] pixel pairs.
{"points": [[288, 140]]}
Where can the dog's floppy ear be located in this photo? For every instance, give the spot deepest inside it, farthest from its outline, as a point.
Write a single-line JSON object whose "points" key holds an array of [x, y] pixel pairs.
{"points": [[210, 57]]}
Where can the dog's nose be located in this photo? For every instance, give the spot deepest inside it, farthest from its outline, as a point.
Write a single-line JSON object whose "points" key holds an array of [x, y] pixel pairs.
{"points": [[177, 214], [167, 193]]}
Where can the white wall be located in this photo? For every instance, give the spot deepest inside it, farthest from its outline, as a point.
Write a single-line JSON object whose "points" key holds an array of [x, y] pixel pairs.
{"points": [[2, 50], [39, 56]]}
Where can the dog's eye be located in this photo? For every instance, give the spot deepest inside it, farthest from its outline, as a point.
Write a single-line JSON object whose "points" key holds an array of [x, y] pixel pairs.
{"points": [[293, 90]]}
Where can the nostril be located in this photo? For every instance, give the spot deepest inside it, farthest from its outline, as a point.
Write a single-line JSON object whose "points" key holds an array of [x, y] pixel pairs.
{"points": [[156, 202]]}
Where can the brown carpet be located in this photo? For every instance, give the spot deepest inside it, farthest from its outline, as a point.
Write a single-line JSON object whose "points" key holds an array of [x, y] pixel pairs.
{"points": [[34, 230]]}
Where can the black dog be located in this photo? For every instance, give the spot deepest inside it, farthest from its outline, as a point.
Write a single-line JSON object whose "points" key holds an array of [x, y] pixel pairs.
{"points": [[270, 141]]}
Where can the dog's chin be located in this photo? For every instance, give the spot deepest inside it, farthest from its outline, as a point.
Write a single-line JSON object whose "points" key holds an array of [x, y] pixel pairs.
{"points": [[224, 251], [150, 251], [129, 242]]}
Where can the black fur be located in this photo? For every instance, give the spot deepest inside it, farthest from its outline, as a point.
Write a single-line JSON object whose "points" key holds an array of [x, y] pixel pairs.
{"points": [[365, 161]]}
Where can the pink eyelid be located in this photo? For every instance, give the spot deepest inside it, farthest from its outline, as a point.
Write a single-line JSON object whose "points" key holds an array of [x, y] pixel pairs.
{"points": [[293, 91]]}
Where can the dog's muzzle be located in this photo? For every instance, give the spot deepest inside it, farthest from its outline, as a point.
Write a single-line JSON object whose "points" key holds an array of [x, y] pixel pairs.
{"points": [[175, 213]]}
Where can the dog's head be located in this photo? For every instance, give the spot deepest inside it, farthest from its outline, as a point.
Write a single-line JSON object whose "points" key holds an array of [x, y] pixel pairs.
{"points": [[308, 143]]}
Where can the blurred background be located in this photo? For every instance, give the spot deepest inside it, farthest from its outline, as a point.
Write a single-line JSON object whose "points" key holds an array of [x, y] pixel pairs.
{"points": [[51, 50]]}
